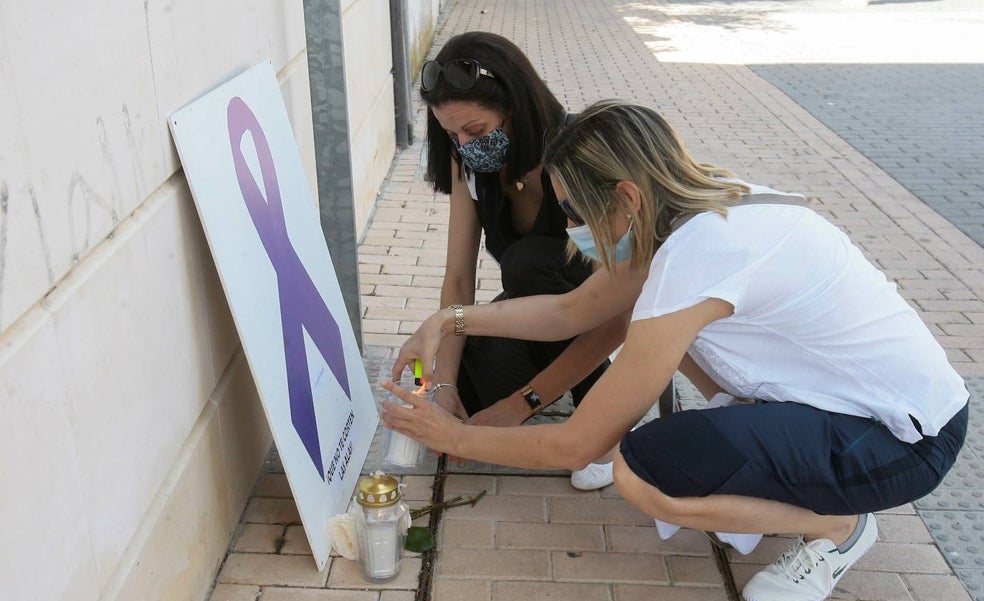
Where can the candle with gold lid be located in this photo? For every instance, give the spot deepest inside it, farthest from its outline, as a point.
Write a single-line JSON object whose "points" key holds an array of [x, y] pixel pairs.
{"points": [[381, 526]]}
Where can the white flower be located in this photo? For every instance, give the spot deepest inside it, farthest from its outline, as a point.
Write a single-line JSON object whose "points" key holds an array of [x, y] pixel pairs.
{"points": [[341, 531], [405, 521]]}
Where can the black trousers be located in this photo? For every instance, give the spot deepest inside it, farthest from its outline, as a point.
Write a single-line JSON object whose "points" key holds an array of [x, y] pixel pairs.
{"points": [[493, 368]]}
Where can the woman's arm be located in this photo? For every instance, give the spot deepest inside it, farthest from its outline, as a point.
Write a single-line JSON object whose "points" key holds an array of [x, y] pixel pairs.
{"points": [[599, 299], [653, 350], [458, 287]]}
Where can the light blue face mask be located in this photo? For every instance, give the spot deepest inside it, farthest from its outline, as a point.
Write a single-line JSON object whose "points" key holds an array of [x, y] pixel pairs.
{"points": [[582, 238]]}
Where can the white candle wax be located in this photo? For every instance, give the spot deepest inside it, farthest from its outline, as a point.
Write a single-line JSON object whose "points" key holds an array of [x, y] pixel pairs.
{"points": [[402, 450], [382, 540]]}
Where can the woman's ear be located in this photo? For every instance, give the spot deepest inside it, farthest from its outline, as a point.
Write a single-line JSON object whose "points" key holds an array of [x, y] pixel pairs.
{"points": [[630, 194]]}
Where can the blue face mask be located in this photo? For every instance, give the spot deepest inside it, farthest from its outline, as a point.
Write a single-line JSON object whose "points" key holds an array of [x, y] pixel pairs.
{"points": [[486, 154], [581, 237]]}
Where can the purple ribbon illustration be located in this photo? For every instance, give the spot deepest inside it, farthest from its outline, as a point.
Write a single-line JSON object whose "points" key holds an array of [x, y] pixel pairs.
{"points": [[301, 305]]}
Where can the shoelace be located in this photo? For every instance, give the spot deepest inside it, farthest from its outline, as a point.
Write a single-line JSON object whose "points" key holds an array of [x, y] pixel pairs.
{"points": [[798, 561]]}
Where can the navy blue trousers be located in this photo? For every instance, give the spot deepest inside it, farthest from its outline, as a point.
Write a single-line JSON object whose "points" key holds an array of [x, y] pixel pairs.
{"points": [[830, 463]]}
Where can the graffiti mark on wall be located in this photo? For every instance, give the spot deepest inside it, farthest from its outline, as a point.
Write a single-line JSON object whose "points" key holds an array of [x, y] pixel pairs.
{"points": [[46, 252], [117, 193], [134, 148]]}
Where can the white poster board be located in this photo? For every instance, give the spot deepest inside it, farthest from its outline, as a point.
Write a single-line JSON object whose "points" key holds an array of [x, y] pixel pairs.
{"points": [[245, 172]]}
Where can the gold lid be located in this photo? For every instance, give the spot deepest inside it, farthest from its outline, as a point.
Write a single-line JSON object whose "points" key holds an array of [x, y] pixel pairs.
{"points": [[377, 490]]}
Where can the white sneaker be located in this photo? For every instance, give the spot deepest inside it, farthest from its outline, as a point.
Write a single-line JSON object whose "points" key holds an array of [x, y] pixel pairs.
{"points": [[810, 570], [593, 476]]}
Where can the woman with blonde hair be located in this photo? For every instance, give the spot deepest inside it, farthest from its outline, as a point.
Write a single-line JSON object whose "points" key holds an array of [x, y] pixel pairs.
{"points": [[848, 403]]}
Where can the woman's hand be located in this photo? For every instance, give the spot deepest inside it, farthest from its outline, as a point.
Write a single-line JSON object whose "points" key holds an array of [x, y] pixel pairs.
{"points": [[423, 421], [448, 399], [423, 345], [510, 411]]}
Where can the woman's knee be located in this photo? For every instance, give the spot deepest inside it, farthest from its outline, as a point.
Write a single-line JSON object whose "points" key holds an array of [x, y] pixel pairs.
{"points": [[641, 494]]}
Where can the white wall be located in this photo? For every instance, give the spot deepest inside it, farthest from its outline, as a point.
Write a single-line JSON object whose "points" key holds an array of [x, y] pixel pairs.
{"points": [[369, 87], [422, 17], [131, 432]]}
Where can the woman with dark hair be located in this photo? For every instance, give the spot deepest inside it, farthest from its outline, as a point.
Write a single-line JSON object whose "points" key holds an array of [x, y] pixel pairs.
{"points": [[489, 113]]}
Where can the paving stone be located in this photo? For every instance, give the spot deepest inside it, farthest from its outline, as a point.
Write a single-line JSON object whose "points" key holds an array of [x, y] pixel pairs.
{"points": [[501, 564], [505, 509], [467, 533], [452, 589], [861, 585], [258, 538], [566, 537], [234, 592], [645, 539], [954, 512], [580, 510], [471, 484], [932, 588], [875, 108], [960, 535], [346, 574], [635, 592], [417, 488], [273, 485], [610, 567], [743, 572], [952, 499], [902, 529], [540, 486], [907, 509], [903, 558], [295, 542], [973, 581], [549, 591], [271, 511], [263, 569], [308, 594], [694, 571]]}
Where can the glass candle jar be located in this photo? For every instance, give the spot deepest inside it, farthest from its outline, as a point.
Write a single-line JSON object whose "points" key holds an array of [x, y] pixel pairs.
{"points": [[403, 451], [381, 526]]}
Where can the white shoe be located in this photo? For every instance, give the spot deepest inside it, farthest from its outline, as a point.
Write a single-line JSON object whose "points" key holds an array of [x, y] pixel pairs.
{"points": [[593, 476], [810, 570]]}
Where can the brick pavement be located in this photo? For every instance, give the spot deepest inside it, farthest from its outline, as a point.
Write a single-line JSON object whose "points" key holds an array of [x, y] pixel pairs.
{"points": [[920, 123], [535, 535]]}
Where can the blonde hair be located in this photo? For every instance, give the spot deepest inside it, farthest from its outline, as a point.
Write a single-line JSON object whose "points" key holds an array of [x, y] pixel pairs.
{"points": [[614, 141]]}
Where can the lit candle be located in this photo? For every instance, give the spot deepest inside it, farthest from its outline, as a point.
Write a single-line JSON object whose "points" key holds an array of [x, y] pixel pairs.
{"points": [[402, 450]]}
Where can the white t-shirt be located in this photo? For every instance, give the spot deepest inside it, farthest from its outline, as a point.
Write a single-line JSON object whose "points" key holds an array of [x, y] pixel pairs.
{"points": [[814, 321]]}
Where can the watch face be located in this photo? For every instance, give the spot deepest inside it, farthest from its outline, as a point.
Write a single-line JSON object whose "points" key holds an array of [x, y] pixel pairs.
{"points": [[532, 398]]}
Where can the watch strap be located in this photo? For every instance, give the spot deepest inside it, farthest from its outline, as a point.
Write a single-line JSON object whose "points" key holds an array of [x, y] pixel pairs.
{"points": [[532, 398], [459, 319]]}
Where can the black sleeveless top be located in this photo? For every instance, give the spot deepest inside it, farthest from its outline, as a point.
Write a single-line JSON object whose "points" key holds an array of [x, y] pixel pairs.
{"points": [[495, 215]]}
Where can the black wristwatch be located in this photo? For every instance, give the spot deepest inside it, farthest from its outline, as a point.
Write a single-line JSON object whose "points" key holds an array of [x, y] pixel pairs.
{"points": [[532, 398]]}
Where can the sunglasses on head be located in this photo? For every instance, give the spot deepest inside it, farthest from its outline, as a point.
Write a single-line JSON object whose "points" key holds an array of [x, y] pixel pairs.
{"points": [[460, 73], [568, 210]]}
